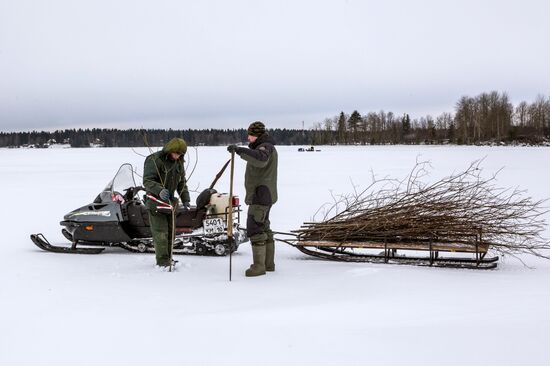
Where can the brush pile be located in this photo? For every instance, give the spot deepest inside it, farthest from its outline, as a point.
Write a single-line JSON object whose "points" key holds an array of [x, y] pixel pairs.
{"points": [[455, 210]]}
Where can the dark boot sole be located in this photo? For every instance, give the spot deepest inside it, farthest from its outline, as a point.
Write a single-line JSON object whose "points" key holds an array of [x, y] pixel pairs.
{"points": [[254, 274]]}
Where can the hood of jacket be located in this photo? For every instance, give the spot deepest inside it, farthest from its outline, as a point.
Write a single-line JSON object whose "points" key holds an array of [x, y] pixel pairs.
{"points": [[176, 145]]}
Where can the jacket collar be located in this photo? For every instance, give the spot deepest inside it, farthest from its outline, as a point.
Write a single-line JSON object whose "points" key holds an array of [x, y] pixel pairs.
{"points": [[262, 139]]}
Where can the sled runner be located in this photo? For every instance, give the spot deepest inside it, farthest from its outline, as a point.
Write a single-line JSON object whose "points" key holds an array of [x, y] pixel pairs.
{"points": [[466, 254]]}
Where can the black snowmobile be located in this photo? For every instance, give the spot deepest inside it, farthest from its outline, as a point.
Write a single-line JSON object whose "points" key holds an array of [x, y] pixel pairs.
{"points": [[119, 218]]}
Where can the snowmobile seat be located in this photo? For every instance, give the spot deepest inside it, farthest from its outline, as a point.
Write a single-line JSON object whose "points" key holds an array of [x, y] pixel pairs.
{"points": [[137, 222], [190, 218], [137, 214]]}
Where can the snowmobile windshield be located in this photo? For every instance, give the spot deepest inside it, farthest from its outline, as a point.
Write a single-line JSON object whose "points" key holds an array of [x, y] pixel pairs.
{"points": [[114, 191]]}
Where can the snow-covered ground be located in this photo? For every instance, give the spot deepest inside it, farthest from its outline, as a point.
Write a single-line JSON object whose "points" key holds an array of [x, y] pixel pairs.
{"points": [[116, 309]]}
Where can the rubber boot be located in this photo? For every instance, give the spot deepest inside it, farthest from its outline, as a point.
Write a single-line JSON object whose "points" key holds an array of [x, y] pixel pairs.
{"points": [[270, 255], [258, 267]]}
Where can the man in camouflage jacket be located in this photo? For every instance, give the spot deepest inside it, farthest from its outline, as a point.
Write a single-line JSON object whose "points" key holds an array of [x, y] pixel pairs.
{"points": [[261, 193], [164, 174]]}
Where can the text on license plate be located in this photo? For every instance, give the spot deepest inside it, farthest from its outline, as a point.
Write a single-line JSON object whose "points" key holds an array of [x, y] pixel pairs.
{"points": [[213, 226]]}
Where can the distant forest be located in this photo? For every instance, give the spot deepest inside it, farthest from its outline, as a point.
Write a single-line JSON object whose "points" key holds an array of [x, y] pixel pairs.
{"points": [[489, 118]]}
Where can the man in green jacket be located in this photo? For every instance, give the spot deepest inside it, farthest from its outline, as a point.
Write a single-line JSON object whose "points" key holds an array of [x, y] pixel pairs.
{"points": [[163, 174], [261, 193]]}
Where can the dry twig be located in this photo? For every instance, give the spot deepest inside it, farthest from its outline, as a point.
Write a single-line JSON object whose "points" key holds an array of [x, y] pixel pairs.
{"points": [[454, 209]]}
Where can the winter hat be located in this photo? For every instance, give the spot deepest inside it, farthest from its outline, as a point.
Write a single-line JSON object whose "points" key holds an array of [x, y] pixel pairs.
{"points": [[256, 129], [176, 145]]}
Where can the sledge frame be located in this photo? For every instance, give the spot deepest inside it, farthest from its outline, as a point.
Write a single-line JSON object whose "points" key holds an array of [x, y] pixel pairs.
{"points": [[344, 251]]}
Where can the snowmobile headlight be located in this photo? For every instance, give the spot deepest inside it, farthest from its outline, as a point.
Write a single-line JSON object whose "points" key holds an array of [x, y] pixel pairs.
{"points": [[89, 228]]}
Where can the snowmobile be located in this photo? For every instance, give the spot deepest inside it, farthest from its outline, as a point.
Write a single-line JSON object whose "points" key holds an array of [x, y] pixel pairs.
{"points": [[118, 217]]}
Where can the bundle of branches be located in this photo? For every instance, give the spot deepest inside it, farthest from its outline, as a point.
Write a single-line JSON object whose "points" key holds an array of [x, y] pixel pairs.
{"points": [[455, 209]]}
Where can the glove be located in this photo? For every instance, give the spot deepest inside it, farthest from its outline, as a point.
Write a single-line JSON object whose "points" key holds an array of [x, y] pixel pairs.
{"points": [[164, 194], [232, 148], [186, 205]]}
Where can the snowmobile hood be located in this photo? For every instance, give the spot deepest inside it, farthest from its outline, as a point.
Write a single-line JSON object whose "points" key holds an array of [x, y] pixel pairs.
{"points": [[104, 212]]}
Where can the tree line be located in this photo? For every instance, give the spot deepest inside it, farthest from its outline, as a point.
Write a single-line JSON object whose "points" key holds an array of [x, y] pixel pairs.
{"points": [[145, 137], [485, 118]]}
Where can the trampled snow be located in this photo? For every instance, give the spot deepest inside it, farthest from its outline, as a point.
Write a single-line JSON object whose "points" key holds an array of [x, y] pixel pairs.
{"points": [[116, 309]]}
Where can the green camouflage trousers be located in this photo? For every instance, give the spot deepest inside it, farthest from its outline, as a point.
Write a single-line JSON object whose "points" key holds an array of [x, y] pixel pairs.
{"points": [[162, 230]]}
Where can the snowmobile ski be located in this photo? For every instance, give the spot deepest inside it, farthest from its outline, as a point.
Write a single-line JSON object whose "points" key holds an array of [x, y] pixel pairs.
{"points": [[41, 242]]}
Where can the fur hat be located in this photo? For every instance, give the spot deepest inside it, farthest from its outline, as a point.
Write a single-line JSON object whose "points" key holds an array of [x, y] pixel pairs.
{"points": [[256, 129], [176, 145]]}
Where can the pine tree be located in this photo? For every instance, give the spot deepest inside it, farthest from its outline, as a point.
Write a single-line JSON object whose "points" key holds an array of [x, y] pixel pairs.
{"points": [[405, 125], [353, 122], [342, 135]]}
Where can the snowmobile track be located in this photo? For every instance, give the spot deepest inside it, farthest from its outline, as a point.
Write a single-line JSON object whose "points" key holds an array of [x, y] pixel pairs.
{"points": [[41, 242]]}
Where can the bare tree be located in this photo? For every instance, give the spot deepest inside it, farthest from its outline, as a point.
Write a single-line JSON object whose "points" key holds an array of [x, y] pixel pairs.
{"points": [[521, 114], [443, 123]]}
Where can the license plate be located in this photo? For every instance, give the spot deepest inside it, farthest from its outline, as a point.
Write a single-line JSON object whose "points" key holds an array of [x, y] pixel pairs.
{"points": [[213, 226]]}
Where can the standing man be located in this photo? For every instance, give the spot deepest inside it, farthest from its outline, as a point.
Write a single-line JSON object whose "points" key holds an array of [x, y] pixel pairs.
{"points": [[261, 193], [163, 173]]}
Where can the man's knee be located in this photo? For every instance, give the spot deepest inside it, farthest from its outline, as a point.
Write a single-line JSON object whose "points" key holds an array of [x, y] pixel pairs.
{"points": [[258, 239], [256, 221]]}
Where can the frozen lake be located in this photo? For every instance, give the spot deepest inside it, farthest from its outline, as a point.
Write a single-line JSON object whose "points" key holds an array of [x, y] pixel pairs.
{"points": [[115, 308]]}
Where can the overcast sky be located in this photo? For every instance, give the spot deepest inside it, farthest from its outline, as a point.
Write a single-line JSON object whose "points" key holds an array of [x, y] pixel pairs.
{"points": [[223, 64]]}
